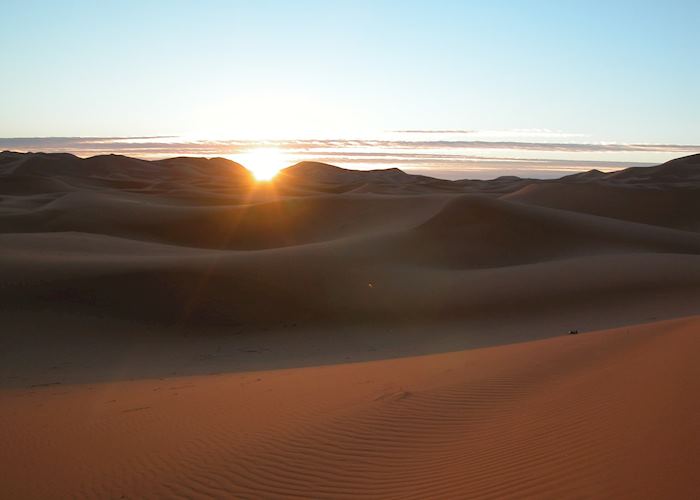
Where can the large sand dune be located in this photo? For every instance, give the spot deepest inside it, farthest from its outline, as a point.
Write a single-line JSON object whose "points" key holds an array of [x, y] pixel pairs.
{"points": [[372, 333], [608, 414]]}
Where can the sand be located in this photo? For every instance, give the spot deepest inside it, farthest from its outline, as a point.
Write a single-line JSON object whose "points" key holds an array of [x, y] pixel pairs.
{"points": [[611, 413], [173, 329]]}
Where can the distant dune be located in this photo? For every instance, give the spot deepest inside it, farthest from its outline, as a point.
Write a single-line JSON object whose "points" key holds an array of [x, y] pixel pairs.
{"points": [[135, 236], [173, 328]]}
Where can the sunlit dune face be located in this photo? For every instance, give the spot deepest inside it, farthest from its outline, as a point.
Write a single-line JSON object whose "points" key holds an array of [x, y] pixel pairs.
{"points": [[264, 163]]}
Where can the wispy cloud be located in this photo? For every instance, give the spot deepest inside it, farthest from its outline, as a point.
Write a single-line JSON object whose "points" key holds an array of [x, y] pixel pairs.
{"points": [[174, 145], [448, 131], [534, 146], [508, 134]]}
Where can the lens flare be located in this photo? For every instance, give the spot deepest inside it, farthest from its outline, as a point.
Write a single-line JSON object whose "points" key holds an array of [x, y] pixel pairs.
{"points": [[264, 163]]}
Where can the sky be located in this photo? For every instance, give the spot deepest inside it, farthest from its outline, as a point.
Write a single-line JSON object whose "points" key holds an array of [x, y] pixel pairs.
{"points": [[453, 89]]}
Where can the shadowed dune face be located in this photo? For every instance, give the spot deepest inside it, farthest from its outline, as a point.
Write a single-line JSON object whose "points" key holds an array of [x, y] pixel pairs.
{"points": [[247, 226], [478, 231], [678, 209]]}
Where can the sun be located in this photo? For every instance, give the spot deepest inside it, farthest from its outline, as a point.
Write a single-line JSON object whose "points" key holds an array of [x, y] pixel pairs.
{"points": [[264, 163]]}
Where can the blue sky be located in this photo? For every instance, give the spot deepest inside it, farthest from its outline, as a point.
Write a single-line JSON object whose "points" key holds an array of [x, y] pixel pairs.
{"points": [[534, 71]]}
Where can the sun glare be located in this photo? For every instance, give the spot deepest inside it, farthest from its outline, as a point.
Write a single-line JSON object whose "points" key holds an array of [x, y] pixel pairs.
{"points": [[264, 163]]}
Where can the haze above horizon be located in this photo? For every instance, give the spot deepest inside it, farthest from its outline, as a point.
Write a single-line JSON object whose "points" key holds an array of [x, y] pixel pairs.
{"points": [[450, 89]]}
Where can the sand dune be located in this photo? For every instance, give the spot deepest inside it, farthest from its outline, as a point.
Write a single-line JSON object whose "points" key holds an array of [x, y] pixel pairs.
{"points": [[357, 258], [605, 414], [679, 209], [681, 172], [127, 284], [245, 226], [478, 231], [166, 284]]}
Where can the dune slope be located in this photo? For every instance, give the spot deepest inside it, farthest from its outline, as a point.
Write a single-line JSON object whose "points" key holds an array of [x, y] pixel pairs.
{"points": [[605, 414], [678, 209]]}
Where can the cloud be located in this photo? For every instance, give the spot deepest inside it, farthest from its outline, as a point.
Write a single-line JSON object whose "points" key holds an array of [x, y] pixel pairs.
{"points": [[457, 131], [537, 146], [173, 146], [509, 134]]}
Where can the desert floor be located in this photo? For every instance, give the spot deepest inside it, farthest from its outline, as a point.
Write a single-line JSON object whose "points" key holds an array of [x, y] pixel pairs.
{"points": [[169, 329]]}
